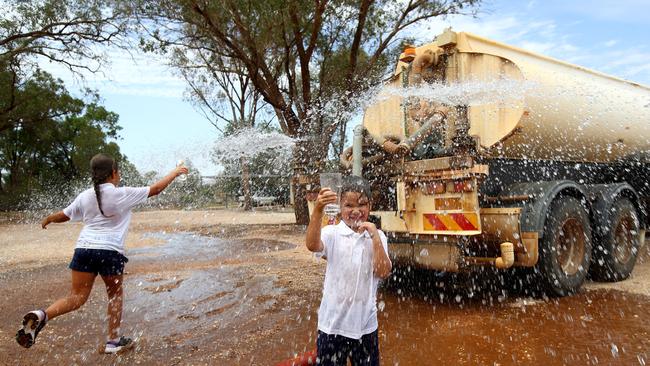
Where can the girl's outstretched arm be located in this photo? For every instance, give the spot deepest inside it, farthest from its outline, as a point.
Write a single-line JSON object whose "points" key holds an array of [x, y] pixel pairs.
{"points": [[160, 185], [55, 217]]}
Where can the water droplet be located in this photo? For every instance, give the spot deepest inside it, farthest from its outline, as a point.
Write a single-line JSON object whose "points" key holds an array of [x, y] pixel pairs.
{"points": [[381, 305]]}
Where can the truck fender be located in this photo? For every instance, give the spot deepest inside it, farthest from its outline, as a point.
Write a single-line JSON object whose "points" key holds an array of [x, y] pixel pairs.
{"points": [[603, 196], [534, 210]]}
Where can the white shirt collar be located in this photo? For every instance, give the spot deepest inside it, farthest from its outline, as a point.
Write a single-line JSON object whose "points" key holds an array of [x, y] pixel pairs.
{"points": [[107, 185], [347, 231]]}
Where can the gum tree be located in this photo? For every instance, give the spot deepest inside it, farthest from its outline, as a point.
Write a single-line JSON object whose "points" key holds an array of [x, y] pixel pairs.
{"points": [[56, 136], [66, 32], [309, 60], [46, 134]]}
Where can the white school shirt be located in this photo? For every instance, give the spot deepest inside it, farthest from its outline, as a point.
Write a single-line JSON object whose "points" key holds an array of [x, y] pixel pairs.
{"points": [[349, 303], [105, 232]]}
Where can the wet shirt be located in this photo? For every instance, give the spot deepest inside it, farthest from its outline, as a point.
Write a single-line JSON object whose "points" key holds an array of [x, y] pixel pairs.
{"points": [[105, 232], [349, 303]]}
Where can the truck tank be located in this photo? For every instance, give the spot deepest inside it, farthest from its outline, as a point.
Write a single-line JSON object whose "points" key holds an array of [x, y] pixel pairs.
{"points": [[568, 113]]}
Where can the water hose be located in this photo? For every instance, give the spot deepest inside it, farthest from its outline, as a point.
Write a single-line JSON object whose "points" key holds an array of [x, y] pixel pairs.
{"points": [[433, 122]]}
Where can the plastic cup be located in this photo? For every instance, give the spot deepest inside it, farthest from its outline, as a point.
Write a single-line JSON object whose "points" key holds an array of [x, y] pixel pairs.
{"points": [[181, 177], [333, 181]]}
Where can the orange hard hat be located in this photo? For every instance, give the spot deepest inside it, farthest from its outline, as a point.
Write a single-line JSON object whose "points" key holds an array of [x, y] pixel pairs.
{"points": [[408, 54]]}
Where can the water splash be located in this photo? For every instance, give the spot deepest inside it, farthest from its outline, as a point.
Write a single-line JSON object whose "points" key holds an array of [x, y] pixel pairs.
{"points": [[250, 142], [40, 202], [470, 92]]}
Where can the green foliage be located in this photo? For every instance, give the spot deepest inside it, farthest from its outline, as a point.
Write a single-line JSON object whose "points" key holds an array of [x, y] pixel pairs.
{"points": [[65, 32], [52, 137], [47, 136]]}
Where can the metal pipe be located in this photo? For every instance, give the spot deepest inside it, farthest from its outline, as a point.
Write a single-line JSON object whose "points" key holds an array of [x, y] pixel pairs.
{"points": [[391, 147], [427, 128], [357, 146], [387, 145], [499, 199], [506, 260], [346, 158]]}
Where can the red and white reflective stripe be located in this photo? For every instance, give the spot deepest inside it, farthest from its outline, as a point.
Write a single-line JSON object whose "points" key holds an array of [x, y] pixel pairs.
{"points": [[450, 222]]}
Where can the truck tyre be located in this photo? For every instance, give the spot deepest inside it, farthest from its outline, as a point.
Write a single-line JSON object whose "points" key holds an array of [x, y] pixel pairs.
{"points": [[565, 250], [614, 254]]}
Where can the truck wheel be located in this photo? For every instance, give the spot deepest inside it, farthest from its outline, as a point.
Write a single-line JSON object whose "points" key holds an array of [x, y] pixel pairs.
{"points": [[615, 253], [565, 250]]}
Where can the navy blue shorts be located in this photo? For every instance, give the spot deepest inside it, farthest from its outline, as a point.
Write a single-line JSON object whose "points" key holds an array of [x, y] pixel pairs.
{"points": [[335, 349], [98, 261]]}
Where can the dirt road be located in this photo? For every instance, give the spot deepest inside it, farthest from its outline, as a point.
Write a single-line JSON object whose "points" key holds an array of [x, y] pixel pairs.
{"points": [[228, 287]]}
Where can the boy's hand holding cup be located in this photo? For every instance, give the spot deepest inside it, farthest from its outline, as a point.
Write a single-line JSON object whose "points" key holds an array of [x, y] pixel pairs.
{"points": [[333, 182], [325, 197]]}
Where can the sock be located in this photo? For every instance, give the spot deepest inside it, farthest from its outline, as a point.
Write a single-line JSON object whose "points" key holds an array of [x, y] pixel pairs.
{"points": [[44, 316], [41, 315], [114, 340]]}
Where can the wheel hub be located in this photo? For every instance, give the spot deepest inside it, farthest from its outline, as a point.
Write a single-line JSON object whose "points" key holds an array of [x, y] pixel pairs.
{"points": [[571, 246]]}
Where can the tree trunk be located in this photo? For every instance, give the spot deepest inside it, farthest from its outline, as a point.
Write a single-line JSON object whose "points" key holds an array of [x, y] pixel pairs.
{"points": [[13, 177], [246, 183], [307, 162], [300, 208]]}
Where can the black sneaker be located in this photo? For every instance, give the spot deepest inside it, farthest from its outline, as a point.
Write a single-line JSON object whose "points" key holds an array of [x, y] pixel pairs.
{"points": [[118, 346], [33, 322]]}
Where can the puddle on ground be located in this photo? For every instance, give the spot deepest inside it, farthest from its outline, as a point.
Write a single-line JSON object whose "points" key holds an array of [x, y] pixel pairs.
{"points": [[591, 328], [201, 300], [192, 287], [601, 327], [185, 247]]}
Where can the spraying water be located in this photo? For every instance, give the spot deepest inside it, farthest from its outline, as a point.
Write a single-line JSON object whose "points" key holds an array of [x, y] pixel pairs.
{"points": [[251, 142], [506, 92]]}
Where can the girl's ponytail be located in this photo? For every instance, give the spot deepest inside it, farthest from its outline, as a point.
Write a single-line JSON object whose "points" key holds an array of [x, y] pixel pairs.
{"points": [[102, 167]]}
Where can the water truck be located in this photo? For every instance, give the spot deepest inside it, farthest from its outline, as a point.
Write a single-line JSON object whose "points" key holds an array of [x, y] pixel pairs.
{"points": [[554, 180]]}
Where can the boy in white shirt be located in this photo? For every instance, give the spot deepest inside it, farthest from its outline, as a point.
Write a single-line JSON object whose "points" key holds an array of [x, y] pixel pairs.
{"points": [[357, 259], [105, 211]]}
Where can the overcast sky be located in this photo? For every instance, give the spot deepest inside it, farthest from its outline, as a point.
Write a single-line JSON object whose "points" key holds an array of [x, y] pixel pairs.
{"points": [[160, 126]]}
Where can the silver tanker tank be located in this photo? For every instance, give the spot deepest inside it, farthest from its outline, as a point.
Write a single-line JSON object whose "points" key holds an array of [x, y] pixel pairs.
{"points": [[567, 113]]}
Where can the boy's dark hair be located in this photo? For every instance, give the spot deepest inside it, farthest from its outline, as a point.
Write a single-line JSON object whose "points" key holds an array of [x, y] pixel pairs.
{"points": [[356, 184], [101, 167]]}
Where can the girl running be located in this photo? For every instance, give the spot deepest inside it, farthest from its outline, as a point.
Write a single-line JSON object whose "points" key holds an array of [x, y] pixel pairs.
{"points": [[106, 213]]}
